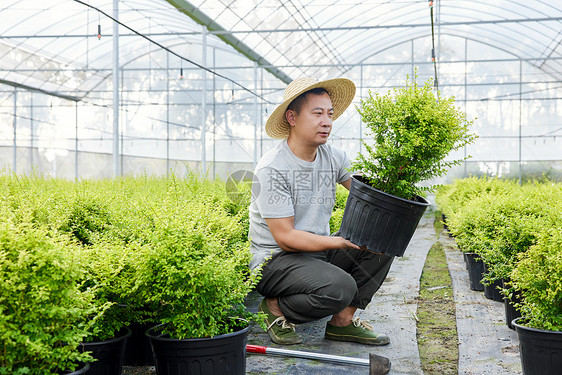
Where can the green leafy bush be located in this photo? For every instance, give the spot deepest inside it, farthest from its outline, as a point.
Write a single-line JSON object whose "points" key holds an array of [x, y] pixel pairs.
{"points": [[538, 280], [516, 231], [87, 221], [44, 315], [110, 271], [412, 132], [497, 228], [454, 197], [498, 220], [151, 249], [192, 280]]}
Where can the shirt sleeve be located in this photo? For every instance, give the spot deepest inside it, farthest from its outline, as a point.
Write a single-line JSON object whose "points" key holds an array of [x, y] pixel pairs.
{"points": [[343, 172], [274, 198]]}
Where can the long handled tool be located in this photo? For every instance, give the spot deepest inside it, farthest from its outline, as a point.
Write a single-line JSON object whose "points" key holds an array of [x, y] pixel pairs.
{"points": [[378, 365]]}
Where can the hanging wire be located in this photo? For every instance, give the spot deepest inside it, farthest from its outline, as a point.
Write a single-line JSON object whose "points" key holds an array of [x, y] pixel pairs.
{"points": [[174, 53], [435, 82]]}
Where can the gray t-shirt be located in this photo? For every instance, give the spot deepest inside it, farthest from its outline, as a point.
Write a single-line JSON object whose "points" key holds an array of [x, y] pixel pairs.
{"points": [[286, 186]]}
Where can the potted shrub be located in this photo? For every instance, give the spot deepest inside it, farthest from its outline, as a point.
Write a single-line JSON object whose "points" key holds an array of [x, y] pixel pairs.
{"points": [[110, 272], [491, 230], [411, 133], [194, 278], [538, 279], [44, 315]]}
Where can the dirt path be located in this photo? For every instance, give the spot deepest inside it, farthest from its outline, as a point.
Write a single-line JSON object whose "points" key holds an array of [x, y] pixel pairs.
{"points": [[486, 345]]}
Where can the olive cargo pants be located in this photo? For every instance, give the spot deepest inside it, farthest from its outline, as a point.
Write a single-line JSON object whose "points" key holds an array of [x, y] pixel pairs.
{"points": [[311, 286]]}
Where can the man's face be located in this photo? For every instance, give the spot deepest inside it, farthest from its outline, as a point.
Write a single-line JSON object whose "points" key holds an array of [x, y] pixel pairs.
{"points": [[314, 122]]}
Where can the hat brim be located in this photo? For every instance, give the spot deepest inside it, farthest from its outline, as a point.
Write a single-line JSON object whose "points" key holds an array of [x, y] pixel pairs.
{"points": [[341, 91]]}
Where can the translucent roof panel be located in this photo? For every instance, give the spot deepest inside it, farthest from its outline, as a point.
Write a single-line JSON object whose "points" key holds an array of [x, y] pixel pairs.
{"points": [[304, 35], [40, 41]]}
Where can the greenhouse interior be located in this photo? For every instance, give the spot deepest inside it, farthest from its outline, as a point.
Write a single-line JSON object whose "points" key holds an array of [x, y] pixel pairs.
{"points": [[368, 183], [95, 89]]}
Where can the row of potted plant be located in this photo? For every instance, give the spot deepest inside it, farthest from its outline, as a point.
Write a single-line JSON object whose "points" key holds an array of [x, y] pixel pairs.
{"points": [[515, 231], [81, 261]]}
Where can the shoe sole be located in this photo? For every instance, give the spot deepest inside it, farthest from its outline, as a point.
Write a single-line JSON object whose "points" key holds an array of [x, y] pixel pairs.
{"points": [[360, 340]]}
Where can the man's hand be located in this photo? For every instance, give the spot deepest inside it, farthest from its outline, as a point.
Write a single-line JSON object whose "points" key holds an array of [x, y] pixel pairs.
{"points": [[347, 244]]}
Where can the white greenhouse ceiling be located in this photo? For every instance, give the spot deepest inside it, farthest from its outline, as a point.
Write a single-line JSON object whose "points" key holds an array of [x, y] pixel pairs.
{"points": [[53, 45]]}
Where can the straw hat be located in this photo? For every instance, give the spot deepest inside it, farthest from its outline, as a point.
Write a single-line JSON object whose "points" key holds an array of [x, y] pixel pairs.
{"points": [[341, 91]]}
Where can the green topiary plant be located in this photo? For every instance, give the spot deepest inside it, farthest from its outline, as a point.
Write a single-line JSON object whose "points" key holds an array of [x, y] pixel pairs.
{"points": [[412, 132]]}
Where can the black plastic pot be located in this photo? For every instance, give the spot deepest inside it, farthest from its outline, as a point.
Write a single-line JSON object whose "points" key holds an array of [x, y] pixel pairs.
{"points": [[492, 291], [444, 221], [109, 354], [511, 313], [138, 351], [382, 222], [218, 355], [475, 267], [541, 351], [82, 370]]}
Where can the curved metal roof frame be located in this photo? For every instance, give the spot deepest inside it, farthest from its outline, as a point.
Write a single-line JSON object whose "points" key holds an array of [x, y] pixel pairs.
{"points": [[288, 38]]}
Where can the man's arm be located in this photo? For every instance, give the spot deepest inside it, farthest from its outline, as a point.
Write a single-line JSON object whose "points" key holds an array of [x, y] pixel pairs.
{"points": [[346, 184], [290, 239]]}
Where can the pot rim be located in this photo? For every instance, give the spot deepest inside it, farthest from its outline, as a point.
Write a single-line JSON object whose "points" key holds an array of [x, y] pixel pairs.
{"points": [[82, 370], [421, 200], [194, 339], [517, 325], [112, 340]]}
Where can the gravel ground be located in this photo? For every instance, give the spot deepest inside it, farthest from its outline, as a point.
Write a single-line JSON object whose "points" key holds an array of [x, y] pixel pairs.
{"points": [[139, 370]]}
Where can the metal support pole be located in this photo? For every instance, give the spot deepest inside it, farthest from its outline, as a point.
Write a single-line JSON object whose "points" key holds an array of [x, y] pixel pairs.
{"points": [[438, 52], [412, 53], [204, 105], [214, 117], [360, 98], [465, 94], [123, 129], [76, 140], [15, 154], [307, 355], [31, 133], [167, 114], [257, 114], [520, 114], [261, 113], [116, 171]]}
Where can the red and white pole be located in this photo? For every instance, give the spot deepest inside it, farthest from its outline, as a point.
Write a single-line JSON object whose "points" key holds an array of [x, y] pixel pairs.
{"points": [[307, 355]]}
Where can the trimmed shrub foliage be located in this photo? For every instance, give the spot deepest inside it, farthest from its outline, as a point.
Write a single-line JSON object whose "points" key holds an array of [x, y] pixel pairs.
{"points": [[44, 314], [81, 260], [516, 231], [411, 132]]}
